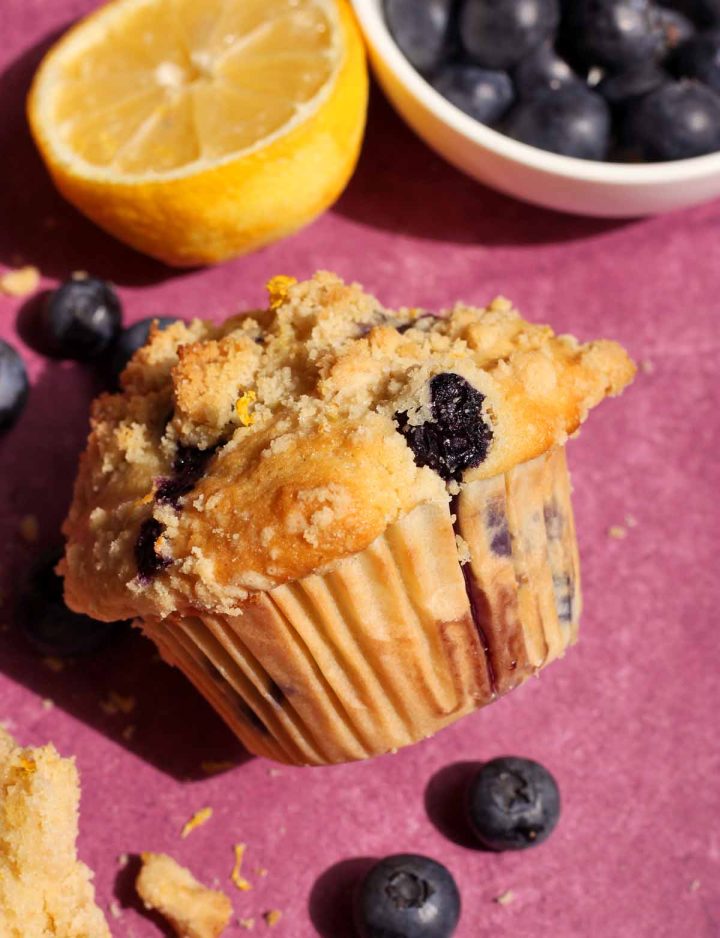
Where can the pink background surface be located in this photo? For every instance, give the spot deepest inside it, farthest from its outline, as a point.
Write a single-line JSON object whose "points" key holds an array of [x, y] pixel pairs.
{"points": [[627, 722]]}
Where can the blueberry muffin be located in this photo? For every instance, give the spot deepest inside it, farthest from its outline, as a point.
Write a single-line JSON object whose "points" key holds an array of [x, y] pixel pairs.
{"points": [[347, 525]]}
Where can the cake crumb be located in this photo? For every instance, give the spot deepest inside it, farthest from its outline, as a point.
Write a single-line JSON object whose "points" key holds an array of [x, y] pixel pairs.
{"points": [[694, 885], [215, 768], [617, 532], [115, 910], [122, 860], [197, 820], [261, 871], [128, 732], [48, 704], [20, 282], [274, 773], [193, 910], [54, 664], [247, 923], [463, 549], [630, 521], [505, 898], [117, 703], [272, 917], [236, 875], [647, 367], [29, 528]]}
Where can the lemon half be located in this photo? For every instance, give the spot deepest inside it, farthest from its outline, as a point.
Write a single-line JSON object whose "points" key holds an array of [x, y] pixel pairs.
{"points": [[196, 130]]}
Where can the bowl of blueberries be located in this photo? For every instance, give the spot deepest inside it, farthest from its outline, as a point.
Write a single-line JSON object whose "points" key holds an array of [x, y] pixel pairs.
{"points": [[597, 107]]}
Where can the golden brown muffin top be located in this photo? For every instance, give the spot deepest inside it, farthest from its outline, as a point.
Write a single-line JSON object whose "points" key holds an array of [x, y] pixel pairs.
{"points": [[245, 455]]}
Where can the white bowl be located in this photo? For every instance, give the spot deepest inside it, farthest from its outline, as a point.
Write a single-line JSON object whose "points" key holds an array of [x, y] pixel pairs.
{"points": [[585, 187]]}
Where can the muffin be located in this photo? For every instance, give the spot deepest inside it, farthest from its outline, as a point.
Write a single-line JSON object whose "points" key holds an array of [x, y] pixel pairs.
{"points": [[347, 525]]}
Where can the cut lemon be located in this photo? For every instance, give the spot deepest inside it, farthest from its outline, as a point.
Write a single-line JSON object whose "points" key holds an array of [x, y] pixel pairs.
{"points": [[196, 130]]}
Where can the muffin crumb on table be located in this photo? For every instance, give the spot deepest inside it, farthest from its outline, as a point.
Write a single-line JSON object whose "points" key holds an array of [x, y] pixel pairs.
{"points": [[193, 910]]}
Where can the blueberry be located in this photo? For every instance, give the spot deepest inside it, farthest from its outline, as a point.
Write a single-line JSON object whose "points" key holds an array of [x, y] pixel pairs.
{"points": [[407, 896], [573, 121], [679, 120], [82, 318], [621, 88], [188, 468], [497, 34], [675, 27], [130, 340], [542, 70], [512, 804], [457, 437], [14, 385], [483, 94], [699, 57], [420, 30], [47, 622], [615, 33], [149, 561]]}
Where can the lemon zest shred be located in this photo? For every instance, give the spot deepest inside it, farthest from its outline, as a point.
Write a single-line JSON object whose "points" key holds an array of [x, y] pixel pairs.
{"points": [[278, 288], [242, 884], [197, 820], [242, 408]]}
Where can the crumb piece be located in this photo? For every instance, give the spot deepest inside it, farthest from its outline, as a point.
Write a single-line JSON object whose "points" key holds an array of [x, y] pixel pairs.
{"points": [[48, 704], [44, 889], [261, 871], [193, 910], [117, 703], [630, 521], [54, 664], [505, 898], [236, 876], [277, 289], [128, 732], [272, 917], [463, 549], [247, 923], [214, 768], [122, 860], [694, 885], [20, 282], [80, 275], [115, 910], [274, 773], [617, 532], [647, 367], [197, 820], [29, 528]]}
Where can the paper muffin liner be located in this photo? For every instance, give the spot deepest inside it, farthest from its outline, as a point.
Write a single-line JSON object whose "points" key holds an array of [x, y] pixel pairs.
{"points": [[403, 638]]}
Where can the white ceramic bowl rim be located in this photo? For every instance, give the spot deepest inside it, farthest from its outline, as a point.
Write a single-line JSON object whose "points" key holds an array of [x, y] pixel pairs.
{"points": [[372, 21]]}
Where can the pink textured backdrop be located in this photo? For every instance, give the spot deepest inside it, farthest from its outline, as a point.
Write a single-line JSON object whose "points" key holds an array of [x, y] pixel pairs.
{"points": [[627, 722]]}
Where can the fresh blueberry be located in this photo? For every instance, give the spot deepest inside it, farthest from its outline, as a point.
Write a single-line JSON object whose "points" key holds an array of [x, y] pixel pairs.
{"points": [[573, 121], [420, 30], [512, 804], [699, 57], [47, 622], [14, 385], [457, 437], [542, 70], [407, 896], [679, 120], [483, 94], [130, 340], [82, 318], [675, 27], [621, 88], [615, 33], [497, 34]]}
